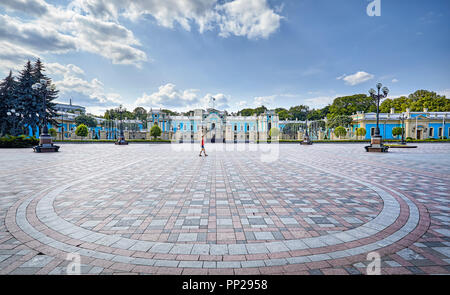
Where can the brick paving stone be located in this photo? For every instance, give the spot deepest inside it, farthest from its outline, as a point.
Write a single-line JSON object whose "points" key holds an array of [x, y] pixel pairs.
{"points": [[323, 209]]}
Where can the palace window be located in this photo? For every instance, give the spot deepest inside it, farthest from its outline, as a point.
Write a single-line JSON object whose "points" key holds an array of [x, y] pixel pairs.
{"points": [[431, 132], [440, 131], [372, 131]]}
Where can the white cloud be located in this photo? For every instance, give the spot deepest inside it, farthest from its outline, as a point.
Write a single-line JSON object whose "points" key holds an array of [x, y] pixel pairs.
{"points": [[93, 25], [394, 80], [169, 96], [445, 92], [61, 30], [59, 69], [274, 100], [32, 7], [251, 18], [241, 105], [221, 101], [71, 83], [357, 78], [264, 100], [319, 101], [13, 57]]}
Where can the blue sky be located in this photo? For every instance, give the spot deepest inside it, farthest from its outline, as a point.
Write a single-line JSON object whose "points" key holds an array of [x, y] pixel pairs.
{"points": [[178, 54]]}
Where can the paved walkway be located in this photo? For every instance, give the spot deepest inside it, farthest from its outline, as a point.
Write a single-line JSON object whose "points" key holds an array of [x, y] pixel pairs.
{"points": [[161, 209]]}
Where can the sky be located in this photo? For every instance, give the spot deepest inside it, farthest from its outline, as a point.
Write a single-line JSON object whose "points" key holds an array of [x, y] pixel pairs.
{"points": [[179, 54]]}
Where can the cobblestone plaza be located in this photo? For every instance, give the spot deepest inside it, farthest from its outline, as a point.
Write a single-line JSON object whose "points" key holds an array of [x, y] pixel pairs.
{"points": [[159, 209]]}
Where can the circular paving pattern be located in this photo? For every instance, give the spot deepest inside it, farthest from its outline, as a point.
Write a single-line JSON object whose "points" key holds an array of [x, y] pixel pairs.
{"points": [[135, 202], [219, 212]]}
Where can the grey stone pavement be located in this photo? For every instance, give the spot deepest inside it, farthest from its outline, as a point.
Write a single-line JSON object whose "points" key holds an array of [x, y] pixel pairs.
{"points": [[244, 209]]}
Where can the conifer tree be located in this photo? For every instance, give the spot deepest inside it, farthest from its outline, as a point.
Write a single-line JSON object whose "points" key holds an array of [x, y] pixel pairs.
{"points": [[27, 102], [8, 98], [47, 92]]}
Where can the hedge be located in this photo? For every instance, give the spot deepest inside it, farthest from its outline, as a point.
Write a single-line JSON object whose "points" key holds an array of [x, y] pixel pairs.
{"points": [[21, 141], [109, 140]]}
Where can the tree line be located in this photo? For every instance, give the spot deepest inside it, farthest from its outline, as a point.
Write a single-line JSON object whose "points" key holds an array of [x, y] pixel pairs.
{"points": [[21, 106]]}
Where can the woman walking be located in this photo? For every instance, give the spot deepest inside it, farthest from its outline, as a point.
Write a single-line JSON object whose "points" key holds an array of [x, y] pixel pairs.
{"points": [[203, 146]]}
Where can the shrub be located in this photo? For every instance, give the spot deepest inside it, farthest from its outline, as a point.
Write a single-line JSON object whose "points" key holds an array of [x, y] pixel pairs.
{"points": [[21, 141], [52, 132], [82, 130], [340, 131], [274, 132], [397, 131], [361, 132], [155, 131]]}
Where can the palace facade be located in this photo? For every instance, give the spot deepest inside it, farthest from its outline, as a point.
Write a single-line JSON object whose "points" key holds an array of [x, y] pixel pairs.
{"points": [[217, 125], [418, 125]]}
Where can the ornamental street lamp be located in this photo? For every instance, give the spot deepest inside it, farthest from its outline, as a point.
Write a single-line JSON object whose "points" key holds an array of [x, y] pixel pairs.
{"points": [[121, 140], [376, 144], [14, 117], [306, 140], [377, 96], [402, 118], [45, 140]]}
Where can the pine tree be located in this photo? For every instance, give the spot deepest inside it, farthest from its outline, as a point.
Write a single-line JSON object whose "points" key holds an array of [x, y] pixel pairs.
{"points": [[27, 101], [47, 92], [8, 97]]}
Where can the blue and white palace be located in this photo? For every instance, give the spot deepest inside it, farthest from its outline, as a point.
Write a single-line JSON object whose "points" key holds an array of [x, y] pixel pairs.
{"points": [[219, 126]]}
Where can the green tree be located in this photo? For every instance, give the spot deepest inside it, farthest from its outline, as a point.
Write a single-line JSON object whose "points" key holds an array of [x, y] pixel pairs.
{"points": [[299, 112], [52, 132], [340, 131], [416, 102], [397, 131], [338, 120], [316, 115], [246, 112], [113, 114], [291, 129], [140, 113], [8, 98], [260, 110], [283, 114], [169, 112], [274, 132], [47, 92], [28, 102], [86, 120], [81, 130], [155, 131], [361, 132], [348, 105]]}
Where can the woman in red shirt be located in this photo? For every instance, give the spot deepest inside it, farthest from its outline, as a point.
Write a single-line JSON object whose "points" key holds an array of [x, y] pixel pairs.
{"points": [[203, 146]]}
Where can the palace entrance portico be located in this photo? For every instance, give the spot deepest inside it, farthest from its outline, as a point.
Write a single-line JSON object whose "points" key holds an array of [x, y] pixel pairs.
{"points": [[215, 128]]}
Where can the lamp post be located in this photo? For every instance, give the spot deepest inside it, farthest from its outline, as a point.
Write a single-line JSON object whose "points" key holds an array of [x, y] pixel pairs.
{"points": [[402, 118], [306, 140], [121, 140], [62, 126], [376, 143], [45, 140], [14, 116]]}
